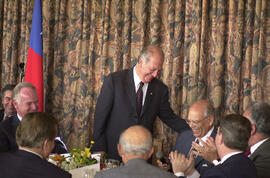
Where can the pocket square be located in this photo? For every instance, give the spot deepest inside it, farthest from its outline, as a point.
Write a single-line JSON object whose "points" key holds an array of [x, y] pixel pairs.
{"points": [[205, 165]]}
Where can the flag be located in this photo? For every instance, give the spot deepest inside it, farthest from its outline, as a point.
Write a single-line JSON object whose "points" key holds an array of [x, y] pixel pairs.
{"points": [[34, 65]]}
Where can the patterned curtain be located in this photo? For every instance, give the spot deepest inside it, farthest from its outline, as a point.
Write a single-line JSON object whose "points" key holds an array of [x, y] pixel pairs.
{"points": [[217, 50]]}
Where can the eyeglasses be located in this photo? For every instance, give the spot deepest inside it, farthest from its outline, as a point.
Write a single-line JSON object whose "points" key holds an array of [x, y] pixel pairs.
{"points": [[196, 122]]}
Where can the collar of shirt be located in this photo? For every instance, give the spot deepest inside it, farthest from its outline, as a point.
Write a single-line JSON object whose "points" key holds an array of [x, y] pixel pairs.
{"points": [[20, 118], [255, 146], [208, 134], [227, 156], [137, 81]]}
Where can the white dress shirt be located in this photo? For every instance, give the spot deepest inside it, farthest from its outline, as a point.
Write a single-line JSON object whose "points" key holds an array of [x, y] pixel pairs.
{"points": [[255, 146]]}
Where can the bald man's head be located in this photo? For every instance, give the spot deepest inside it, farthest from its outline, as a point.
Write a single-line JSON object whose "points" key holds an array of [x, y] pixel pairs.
{"points": [[201, 118], [136, 140]]}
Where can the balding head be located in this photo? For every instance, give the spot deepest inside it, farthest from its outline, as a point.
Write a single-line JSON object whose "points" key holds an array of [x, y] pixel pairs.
{"points": [[149, 63], [201, 118], [136, 141]]}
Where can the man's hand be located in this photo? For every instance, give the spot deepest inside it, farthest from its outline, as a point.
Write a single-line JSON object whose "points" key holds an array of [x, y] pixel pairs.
{"points": [[165, 166], [181, 164], [208, 151]]}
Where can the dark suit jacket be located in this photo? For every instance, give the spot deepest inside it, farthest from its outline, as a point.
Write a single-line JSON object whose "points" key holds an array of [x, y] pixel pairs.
{"points": [[133, 169], [23, 164], [237, 166], [116, 110], [8, 136], [261, 159], [183, 145], [2, 113]]}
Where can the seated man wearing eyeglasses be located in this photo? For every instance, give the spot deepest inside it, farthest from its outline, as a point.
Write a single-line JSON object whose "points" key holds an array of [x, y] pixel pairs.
{"points": [[201, 121]]}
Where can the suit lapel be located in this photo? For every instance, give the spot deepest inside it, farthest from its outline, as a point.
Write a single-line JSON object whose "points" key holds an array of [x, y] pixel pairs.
{"points": [[130, 88], [15, 123]]}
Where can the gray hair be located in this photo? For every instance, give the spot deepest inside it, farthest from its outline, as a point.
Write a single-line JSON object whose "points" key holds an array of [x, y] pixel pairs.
{"points": [[17, 89], [129, 147], [147, 52], [260, 116], [209, 110]]}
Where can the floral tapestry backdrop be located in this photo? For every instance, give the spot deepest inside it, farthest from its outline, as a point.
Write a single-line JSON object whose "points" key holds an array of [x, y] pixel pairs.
{"points": [[219, 50]]}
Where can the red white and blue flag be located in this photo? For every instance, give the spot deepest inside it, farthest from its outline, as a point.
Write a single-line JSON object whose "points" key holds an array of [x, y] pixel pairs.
{"points": [[34, 65]]}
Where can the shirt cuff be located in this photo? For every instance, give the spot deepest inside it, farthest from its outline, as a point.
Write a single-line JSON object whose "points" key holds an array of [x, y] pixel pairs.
{"points": [[178, 174], [195, 174]]}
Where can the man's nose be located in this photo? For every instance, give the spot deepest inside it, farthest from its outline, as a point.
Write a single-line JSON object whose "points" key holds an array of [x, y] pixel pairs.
{"points": [[155, 74], [10, 103]]}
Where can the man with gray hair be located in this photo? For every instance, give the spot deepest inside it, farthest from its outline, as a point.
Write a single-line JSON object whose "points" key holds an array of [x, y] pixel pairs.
{"points": [[25, 101], [201, 121], [259, 142], [135, 147]]}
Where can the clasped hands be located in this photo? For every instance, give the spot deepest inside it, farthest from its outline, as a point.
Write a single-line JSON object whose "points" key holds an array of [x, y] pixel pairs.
{"points": [[185, 165], [207, 151]]}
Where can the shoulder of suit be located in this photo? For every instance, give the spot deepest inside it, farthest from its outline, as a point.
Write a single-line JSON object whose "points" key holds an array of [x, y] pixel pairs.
{"points": [[120, 72], [186, 133]]}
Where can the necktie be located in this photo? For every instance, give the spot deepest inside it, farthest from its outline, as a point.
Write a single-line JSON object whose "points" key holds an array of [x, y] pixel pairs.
{"points": [[247, 153], [192, 149], [139, 98]]}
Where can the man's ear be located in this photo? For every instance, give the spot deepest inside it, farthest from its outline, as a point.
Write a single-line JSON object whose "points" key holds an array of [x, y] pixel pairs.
{"points": [[211, 120], [119, 149], [253, 129], [219, 137], [150, 152], [46, 148], [140, 61]]}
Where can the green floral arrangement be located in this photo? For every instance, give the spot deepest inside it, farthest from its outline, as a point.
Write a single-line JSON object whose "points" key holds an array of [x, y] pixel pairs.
{"points": [[76, 158]]}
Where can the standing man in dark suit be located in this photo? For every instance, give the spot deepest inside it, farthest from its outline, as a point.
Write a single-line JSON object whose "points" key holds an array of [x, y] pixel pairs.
{"points": [[35, 136], [231, 141], [132, 97], [8, 108], [259, 142], [201, 121], [135, 147], [25, 101]]}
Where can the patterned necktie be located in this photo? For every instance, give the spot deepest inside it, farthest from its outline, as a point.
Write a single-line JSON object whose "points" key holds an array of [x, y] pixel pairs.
{"points": [[139, 98], [192, 149]]}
